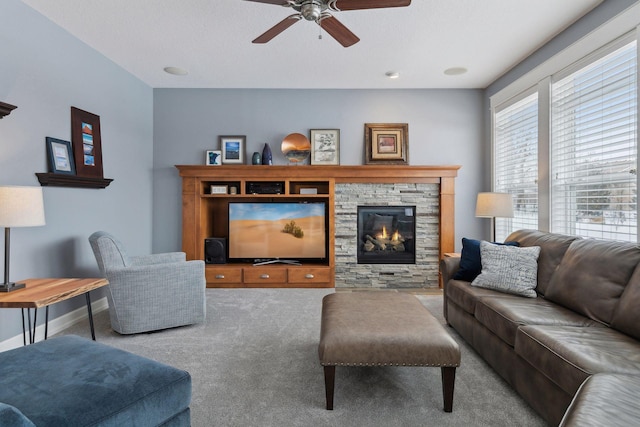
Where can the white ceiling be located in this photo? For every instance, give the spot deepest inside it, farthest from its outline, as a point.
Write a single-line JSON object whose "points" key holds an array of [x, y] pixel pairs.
{"points": [[212, 40]]}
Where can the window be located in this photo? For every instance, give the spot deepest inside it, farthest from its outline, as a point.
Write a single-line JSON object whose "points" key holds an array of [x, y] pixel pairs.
{"points": [[515, 133], [567, 148], [594, 147]]}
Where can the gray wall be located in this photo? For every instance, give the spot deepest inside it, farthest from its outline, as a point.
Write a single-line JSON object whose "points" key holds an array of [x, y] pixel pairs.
{"points": [[445, 128], [45, 71]]}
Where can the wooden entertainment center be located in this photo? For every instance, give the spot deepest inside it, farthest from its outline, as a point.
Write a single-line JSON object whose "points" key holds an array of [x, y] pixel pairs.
{"points": [[205, 212]]}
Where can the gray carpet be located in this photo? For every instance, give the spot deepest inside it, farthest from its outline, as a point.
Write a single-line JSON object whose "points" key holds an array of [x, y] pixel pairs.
{"points": [[254, 363]]}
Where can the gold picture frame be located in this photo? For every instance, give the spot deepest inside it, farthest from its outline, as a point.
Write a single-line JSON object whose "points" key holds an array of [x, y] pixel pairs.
{"points": [[386, 143]]}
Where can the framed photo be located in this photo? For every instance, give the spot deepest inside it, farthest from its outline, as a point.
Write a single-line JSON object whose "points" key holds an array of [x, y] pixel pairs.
{"points": [[232, 148], [386, 143], [60, 156], [325, 146], [213, 158], [87, 145]]}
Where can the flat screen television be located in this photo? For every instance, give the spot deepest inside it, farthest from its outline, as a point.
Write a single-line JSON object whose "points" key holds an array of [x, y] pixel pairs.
{"points": [[266, 231]]}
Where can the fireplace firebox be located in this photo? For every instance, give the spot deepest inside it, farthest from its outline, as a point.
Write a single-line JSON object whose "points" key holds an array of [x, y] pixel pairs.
{"points": [[386, 234]]}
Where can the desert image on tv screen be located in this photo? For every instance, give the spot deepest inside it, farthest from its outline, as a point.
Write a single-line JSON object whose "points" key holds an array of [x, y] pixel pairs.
{"points": [[276, 230]]}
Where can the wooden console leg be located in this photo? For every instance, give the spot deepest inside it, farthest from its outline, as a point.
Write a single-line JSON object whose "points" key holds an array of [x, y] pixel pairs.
{"points": [[329, 381], [448, 382]]}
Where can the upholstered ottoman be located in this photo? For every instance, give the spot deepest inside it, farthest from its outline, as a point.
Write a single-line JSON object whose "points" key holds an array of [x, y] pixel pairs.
{"points": [[383, 328], [71, 381]]}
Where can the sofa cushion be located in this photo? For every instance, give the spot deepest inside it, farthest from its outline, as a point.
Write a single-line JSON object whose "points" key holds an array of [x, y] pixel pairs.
{"points": [[508, 269], [605, 400], [470, 260], [503, 316], [626, 317], [72, 381], [568, 355], [466, 296], [552, 249], [592, 276]]}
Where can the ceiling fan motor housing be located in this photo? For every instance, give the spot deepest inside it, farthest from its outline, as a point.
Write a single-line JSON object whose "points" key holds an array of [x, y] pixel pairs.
{"points": [[312, 10]]}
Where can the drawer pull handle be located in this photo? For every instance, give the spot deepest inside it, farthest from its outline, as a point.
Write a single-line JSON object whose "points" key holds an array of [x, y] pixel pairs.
{"points": [[309, 276], [219, 276], [264, 276]]}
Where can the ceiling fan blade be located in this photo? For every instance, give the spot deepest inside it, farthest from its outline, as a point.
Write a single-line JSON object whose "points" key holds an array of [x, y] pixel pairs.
{"points": [[338, 31], [277, 29], [369, 4], [277, 2]]}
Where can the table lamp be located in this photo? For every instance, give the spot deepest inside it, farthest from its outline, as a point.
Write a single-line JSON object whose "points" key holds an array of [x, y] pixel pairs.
{"points": [[494, 205], [19, 207]]}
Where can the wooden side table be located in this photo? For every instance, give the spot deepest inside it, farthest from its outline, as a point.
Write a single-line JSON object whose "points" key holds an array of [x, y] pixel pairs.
{"points": [[44, 292]]}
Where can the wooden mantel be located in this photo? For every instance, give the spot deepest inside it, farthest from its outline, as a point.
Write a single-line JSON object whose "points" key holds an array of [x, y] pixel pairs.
{"points": [[387, 174]]}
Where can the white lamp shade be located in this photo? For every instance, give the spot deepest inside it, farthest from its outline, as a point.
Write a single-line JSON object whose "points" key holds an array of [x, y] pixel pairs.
{"points": [[494, 205], [21, 206]]}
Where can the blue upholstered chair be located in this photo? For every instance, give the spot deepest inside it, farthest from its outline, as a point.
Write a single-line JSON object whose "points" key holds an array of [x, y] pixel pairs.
{"points": [[149, 292]]}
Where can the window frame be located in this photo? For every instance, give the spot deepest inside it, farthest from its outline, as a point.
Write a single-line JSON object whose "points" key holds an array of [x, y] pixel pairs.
{"points": [[540, 80]]}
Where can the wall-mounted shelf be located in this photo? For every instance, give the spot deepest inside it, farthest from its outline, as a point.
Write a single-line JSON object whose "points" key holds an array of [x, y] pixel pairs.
{"points": [[60, 180], [6, 109]]}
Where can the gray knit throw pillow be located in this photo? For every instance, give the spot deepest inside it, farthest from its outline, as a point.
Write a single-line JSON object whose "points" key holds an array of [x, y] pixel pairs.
{"points": [[509, 269]]}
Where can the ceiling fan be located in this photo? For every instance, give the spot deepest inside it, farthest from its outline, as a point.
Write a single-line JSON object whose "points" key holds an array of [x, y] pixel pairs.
{"points": [[317, 11]]}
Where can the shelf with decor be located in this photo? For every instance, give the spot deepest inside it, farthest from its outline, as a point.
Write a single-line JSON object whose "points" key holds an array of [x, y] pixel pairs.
{"points": [[215, 196]]}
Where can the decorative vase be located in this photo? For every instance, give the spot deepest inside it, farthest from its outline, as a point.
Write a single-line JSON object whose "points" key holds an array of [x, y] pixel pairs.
{"points": [[266, 155], [256, 159]]}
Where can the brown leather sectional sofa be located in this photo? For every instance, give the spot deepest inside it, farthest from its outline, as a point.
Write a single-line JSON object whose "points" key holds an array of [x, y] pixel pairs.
{"points": [[584, 323]]}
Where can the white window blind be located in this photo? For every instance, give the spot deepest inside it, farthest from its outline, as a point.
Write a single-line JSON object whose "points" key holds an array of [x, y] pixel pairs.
{"points": [[515, 136], [594, 147]]}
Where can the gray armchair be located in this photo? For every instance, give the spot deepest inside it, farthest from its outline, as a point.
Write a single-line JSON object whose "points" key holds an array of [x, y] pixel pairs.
{"points": [[149, 292]]}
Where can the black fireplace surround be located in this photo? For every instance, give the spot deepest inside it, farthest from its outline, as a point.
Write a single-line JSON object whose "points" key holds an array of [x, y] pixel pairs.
{"points": [[386, 234]]}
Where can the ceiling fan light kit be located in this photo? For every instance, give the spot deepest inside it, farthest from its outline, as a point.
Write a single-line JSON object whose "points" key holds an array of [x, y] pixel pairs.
{"points": [[317, 11]]}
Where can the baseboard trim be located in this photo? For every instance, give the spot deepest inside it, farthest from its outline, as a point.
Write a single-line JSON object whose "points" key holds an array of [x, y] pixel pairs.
{"points": [[58, 324]]}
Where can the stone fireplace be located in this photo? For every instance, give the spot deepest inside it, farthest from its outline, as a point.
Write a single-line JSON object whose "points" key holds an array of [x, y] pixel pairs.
{"points": [[386, 234], [423, 198]]}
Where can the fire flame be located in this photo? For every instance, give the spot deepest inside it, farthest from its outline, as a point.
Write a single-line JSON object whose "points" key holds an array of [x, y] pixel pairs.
{"points": [[384, 235]]}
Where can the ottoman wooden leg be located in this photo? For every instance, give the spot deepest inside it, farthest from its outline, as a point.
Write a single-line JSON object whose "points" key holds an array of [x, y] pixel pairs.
{"points": [[329, 381], [448, 381]]}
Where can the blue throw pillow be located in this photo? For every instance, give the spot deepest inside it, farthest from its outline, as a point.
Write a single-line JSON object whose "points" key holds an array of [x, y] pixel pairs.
{"points": [[470, 262]]}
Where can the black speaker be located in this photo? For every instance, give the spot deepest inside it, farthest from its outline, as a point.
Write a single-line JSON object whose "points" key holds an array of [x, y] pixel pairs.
{"points": [[215, 250]]}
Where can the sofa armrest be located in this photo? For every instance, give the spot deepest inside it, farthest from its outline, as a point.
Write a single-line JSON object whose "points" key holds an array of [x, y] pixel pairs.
{"points": [[448, 268], [163, 258], [155, 277]]}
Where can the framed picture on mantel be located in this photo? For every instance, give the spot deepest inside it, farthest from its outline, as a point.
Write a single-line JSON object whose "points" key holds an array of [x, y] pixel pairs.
{"points": [[325, 146], [87, 144], [386, 143], [232, 148]]}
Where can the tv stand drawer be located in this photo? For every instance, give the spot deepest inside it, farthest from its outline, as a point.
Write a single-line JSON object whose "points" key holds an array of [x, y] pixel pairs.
{"points": [[265, 275], [309, 275], [223, 274]]}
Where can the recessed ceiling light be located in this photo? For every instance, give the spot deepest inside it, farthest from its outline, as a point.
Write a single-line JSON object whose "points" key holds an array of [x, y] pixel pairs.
{"points": [[455, 71], [176, 71], [392, 74]]}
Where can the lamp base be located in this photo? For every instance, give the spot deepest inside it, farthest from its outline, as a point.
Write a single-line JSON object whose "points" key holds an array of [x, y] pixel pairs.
{"points": [[8, 287]]}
